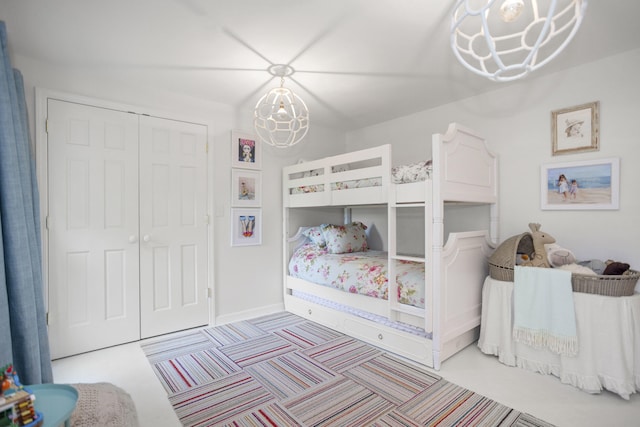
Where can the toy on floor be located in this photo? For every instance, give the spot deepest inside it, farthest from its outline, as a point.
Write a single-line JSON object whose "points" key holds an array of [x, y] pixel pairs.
{"points": [[16, 402]]}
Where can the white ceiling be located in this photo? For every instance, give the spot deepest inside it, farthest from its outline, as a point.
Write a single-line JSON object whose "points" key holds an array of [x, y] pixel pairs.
{"points": [[356, 62]]}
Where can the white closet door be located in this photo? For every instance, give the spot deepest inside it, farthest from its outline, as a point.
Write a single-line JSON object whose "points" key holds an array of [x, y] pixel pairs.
{"points": [[173, 226], [93, 227]]}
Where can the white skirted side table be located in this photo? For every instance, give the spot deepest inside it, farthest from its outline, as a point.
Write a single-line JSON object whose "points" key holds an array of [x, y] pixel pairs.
{"points": [[608, 336]]}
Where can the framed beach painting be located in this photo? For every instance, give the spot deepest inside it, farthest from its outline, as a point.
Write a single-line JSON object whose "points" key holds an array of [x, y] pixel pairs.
{"points": [[246, 150], [246, 188], [246, 226], [585, 185], [576, 129]]}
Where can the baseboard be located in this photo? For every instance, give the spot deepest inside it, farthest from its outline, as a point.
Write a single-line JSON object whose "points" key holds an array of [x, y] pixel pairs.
{"points": [[248, 314]]}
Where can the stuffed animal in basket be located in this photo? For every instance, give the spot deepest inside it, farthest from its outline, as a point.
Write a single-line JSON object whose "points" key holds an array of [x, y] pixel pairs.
{"points": [[539, 256], [559, 256]]}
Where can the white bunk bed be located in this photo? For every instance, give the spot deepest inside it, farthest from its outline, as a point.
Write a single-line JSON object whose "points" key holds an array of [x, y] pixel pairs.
{"points": [[463, 172]]}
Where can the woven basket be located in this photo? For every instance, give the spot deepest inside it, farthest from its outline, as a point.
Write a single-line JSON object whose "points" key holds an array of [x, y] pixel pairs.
{"points": [[612, 286], [503, 259]]}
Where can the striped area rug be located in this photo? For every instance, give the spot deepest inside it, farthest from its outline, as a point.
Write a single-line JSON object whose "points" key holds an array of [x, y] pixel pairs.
{"points": [[282, 370]]}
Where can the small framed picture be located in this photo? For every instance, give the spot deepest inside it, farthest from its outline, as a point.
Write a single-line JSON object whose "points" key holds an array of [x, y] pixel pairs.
{"points": [[246, 150], [586, 185], [246, 188], [576, 129], [246, 226]]}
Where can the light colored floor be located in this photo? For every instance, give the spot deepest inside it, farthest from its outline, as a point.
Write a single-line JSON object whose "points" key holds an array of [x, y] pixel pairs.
{"points": [[542, 396], [127, 367]]}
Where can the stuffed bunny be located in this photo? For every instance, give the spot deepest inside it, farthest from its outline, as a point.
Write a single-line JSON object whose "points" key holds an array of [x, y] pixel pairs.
{"points": [[539, 256]]}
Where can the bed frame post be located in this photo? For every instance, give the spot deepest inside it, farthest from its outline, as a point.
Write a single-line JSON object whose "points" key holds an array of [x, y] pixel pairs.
{"points": [[347, 216], [285, 249], [437, 234], [285, 233], [494, 231]]}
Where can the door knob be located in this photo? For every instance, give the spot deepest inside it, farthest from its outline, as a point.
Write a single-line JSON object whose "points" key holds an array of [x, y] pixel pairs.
{"points": [[133, 238], [146, 238]]}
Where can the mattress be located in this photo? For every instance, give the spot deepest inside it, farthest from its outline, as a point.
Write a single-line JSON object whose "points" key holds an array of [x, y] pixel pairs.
{"points": [[363, 273]]}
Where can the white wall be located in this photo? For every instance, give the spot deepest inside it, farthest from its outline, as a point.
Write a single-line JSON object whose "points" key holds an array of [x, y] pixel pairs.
{"points": [[516, 123], [247, 280], [250, 278]]}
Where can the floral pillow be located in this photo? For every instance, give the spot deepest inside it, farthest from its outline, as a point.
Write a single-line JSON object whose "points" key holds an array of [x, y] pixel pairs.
{"points": [[345, 238], [315, 235]]}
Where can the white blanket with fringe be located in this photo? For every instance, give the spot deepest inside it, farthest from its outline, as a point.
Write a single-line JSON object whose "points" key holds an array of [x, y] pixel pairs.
{"points": [[543, 310]]}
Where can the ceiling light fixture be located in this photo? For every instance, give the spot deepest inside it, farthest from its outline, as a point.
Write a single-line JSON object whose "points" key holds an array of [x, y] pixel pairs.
{"points": [[527, 34], [511, 10], [281, 117]]}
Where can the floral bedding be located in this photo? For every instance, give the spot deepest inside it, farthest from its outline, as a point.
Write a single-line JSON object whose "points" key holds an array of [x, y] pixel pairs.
{"points": [[358, 272], [414, 172], [360, 183]]}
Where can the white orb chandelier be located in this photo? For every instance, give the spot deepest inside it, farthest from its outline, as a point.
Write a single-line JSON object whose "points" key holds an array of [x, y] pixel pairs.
{"points": [[281, 117], [505, 40]]}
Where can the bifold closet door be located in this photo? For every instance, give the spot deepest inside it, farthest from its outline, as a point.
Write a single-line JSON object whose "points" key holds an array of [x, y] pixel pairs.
{"points": [[173, 226], [126, 226], [92, 226]]}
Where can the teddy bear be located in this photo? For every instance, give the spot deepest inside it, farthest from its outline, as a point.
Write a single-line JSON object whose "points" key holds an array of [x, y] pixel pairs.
{"points": [[564, 259], [615, 268], [558, 256]]}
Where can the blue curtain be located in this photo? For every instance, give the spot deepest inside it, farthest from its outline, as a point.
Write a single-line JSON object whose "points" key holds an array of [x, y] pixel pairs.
{"points": [[23, 330]]}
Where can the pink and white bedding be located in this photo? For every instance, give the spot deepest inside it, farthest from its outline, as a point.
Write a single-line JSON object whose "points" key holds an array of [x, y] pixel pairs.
{"points": [[414, 172], [362, 273], [403, 174], [359, 183]]}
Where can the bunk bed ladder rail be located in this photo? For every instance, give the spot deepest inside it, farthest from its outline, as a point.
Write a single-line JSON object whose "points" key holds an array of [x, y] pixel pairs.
{"points": [[436, 228], [396, 309]]}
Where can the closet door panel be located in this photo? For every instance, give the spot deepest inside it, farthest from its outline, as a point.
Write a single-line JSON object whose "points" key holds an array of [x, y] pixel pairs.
{"points": [[92, 227], [173, 226]]}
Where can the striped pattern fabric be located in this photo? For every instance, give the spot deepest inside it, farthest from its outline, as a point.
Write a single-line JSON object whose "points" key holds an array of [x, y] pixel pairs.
{"points": [[282, 370]]}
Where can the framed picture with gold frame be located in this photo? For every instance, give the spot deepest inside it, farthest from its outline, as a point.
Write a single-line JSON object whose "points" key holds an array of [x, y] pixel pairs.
{"points": [[576, 129]]}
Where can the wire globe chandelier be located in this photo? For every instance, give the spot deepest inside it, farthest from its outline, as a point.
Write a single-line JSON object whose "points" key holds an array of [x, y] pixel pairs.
{"points": [[505, 40], [281, 118]]}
